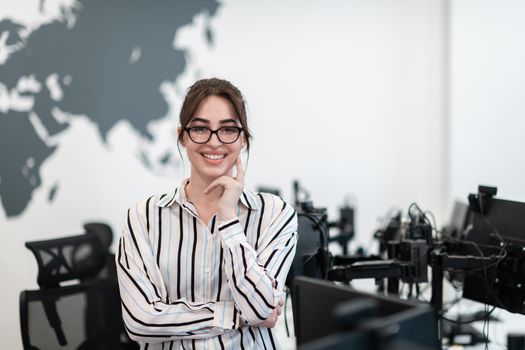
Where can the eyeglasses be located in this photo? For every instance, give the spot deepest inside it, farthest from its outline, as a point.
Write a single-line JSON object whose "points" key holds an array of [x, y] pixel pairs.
{"points": [[202, 134]]}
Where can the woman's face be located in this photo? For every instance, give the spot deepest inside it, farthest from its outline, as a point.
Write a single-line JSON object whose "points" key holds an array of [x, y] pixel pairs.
{"points": [[213, 158]]}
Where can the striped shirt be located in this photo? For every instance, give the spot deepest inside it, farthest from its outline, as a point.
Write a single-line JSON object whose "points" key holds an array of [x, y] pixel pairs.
{"points": [[188, 285]]}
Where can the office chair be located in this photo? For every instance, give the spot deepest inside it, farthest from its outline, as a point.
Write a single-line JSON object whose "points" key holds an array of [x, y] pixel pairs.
{"points": [[62, 315], [105, 235]]}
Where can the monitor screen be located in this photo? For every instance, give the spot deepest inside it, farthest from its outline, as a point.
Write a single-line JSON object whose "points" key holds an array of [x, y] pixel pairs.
{"points": [[498, 284], [316, 302], [507, 217]]}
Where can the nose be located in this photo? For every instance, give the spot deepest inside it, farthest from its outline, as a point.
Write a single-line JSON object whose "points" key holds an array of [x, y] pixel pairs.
{"points": [[214, 140]]}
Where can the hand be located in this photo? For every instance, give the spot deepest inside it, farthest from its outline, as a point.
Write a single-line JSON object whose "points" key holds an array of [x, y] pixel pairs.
{"points": [[271, 321], [231, 192], [280, 306]]}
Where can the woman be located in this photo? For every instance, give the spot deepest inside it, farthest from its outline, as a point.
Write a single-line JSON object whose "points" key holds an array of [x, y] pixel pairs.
{"points": [[204, 266]]}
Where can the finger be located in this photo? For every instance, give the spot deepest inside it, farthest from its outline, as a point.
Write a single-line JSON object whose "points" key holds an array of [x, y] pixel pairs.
{"points": [[279, 310], [240, 170], [281, 301], [221, 181], [212, 186], [274, 320]]}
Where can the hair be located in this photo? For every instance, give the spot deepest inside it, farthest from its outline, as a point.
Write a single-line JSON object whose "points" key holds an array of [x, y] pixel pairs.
{"points": [[213, 87]]}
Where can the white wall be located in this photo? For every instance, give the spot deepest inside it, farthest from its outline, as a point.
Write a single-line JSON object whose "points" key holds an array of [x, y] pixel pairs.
{"points": [[346, 96], [487, 89], [487, 108]]}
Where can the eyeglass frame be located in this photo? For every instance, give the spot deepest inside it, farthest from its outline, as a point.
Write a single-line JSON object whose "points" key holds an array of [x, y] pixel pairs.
{"points": [[216, 132]]}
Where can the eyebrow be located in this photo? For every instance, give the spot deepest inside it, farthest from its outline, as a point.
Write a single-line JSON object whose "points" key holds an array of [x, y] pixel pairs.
{"points": [[206, 121]]}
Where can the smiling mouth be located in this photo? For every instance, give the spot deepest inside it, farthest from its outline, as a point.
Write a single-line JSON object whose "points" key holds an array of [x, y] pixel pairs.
{"points": [[213, 156]]}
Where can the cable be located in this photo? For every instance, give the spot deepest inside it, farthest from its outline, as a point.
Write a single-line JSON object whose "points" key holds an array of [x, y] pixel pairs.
{"points": [[502, 254], [486, 328], [481, 318], [285, 308], [414, 205], [434, 224]]}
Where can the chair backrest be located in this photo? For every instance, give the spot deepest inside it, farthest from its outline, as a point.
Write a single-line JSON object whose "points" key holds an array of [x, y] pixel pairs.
{"points": [[67, 258], [105, 235], [102, 231], [85, 315]]}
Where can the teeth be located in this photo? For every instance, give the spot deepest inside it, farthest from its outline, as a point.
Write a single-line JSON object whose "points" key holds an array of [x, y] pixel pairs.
{"points": [[214, 156]]}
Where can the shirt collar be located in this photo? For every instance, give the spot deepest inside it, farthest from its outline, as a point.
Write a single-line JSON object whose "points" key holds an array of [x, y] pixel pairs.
{"points": [[249, 200], [179, 195]]}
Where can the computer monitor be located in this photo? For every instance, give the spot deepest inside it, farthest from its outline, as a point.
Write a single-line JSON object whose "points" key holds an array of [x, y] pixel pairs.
{"points": [[327, 315], [507, 217], [500, 284]]}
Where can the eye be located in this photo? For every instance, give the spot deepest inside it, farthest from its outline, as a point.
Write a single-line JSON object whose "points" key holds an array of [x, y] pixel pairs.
{"points": [[199, 129], [229, 130]]}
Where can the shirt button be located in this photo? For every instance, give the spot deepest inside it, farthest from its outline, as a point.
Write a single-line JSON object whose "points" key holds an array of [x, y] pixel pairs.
{"points": [[207, 270]]}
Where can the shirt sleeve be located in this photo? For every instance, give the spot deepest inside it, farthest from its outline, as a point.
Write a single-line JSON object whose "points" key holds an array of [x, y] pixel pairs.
{"points": [[256, 275], [149, 315]]}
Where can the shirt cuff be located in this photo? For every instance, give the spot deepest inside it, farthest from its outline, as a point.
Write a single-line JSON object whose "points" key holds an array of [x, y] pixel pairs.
{"points": [[226, 315], [231, 231]]}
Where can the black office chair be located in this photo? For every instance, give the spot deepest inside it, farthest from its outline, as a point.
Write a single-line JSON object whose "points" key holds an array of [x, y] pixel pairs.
{"points": [[62, 315], [105, 234]]}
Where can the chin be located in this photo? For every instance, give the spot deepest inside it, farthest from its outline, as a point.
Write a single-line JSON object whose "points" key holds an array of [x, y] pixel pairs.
{"points": [[214, 173]]}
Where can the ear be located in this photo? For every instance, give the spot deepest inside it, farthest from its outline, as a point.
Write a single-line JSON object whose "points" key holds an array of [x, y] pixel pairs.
{"points": [[243, 142], [183, 142]]}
